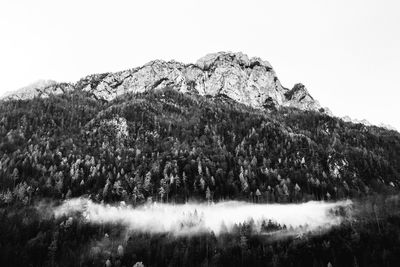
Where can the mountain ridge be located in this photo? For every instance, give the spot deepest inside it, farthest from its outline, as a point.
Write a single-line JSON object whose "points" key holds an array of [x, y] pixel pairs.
{"points": [[30, 90], [251, 81]]}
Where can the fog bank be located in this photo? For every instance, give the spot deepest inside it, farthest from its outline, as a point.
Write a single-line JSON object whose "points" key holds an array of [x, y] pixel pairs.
{"points": [[193, 218]]}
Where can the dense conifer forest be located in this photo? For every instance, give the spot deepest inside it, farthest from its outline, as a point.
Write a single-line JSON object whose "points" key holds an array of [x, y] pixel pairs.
{"points": [[164, 146]]}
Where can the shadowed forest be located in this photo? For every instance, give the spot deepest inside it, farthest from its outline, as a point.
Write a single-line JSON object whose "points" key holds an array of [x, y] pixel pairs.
{"points": [[166, 147]]}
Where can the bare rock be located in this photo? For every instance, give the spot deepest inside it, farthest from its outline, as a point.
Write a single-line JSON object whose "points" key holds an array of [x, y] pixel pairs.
{"points": [[251, 81]]}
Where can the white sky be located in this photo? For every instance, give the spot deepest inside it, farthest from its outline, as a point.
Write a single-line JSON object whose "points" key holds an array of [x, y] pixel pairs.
{"points": [[347, 52]]}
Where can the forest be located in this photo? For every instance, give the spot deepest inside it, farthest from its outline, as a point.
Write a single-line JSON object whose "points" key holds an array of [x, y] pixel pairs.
{"points": [[167, 147]]}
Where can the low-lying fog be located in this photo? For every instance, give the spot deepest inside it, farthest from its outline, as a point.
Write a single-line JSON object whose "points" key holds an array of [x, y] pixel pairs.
{"points": [[191, 218]]}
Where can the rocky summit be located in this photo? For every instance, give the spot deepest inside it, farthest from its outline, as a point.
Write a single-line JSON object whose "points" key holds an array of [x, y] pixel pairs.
{"points": [[251, 81]]}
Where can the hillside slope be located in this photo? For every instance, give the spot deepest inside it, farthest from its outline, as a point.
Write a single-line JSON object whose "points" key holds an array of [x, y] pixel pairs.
{"points": [[171, 146]]}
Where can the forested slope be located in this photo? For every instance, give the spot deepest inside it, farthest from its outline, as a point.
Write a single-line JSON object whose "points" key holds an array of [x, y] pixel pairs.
{"points": [[168, 146]]}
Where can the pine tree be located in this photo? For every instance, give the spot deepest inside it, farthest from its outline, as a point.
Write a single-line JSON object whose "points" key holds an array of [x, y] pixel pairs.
{"points": [[202, 183], [147, 185], [199, 168], [243, 182], [208, 194], [258, 195], [15, 175]]}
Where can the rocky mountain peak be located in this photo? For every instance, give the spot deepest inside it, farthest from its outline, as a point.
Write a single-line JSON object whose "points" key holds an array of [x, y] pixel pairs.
{"points": [[30, 90], [251, 81], [228, 58], [299, 97], [40, 88]]}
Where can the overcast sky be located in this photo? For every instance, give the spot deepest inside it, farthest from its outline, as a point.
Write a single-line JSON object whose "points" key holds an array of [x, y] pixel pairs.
{"points": [[347, 52]]}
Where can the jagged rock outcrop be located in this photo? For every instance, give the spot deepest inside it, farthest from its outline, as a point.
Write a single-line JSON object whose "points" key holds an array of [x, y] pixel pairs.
{"points": [[387, 126], [367, 123], [298, 97], [356, 121], [29, 91], [250, 81], [41, 88]]}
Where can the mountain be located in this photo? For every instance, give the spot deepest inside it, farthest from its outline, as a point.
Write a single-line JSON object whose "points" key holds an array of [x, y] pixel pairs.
{"points": [[31, 91], [40, 88], [142, 136], [251, 81], [363, 121], [175, 117], [171, 118], [139, 145], [367, 123], [388, 127]]}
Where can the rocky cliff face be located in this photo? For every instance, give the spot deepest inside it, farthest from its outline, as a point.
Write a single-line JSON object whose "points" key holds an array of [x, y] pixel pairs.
{"points": [[29, 91], [250, 81], [299, 97], [40, 88]]}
